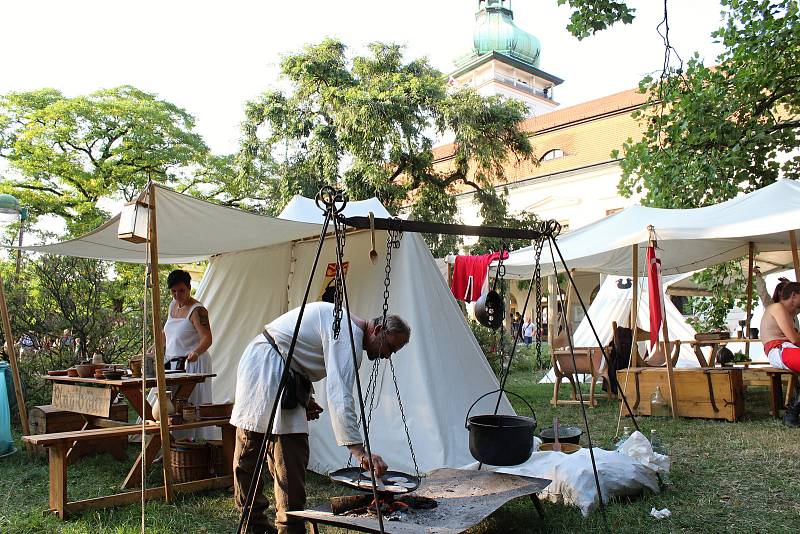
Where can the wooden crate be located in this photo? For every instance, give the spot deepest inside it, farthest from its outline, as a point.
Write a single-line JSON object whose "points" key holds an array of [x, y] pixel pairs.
{"points": [[48, 419], [694, 398]]}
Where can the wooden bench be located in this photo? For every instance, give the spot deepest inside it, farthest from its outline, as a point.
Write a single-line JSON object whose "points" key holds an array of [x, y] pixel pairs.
{"points": [[775, 379], [59, 443]]}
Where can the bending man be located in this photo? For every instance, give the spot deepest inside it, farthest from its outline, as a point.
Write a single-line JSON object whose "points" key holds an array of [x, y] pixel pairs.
{"points": [[317, 355]]}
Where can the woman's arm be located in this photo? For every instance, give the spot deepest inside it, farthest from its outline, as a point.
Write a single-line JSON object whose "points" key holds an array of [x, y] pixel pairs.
{"points": [[201, 323], [785, 323]]}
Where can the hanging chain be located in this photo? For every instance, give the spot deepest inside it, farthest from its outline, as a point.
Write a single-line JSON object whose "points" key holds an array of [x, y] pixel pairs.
{"points": [[500, 277], [372, 387], [403, 415], [537, 279], [338, 278], [392, 243]]}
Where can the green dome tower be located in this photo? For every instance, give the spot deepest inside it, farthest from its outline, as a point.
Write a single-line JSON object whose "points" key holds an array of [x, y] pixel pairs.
{"points": [[504, 60], [495, 31]]}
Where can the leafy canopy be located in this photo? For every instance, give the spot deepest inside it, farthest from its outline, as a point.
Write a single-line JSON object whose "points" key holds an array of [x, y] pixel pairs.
{"points": [[72, 152], [369, 124]]}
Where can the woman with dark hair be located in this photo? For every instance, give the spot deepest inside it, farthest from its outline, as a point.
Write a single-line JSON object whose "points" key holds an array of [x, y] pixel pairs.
{"points": [[782, 340], [187, 337]]}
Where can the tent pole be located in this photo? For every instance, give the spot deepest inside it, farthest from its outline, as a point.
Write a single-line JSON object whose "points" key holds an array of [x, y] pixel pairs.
{"points": [[12, 356], [634, 359], [795, 258], [673, 393], [157, 342], [749, 301]]}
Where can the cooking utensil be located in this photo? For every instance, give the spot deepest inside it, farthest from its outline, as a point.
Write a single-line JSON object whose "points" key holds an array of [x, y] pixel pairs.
{"points": [[489, 310], [566, 434], [351, 476], [500, 439], [57, 373], [373, 254], [556, 443]]}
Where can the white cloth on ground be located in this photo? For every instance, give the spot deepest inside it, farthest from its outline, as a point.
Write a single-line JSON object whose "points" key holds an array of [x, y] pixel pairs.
{"points": [[181, 339], [317, 355], [572, 477]]}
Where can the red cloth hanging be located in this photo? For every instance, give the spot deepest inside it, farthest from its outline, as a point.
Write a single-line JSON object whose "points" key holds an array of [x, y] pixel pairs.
{"points": [[656, 295], [469, 275]]}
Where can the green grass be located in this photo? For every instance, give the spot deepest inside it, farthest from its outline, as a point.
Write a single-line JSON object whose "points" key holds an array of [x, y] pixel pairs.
{"points": [[726, 477]]}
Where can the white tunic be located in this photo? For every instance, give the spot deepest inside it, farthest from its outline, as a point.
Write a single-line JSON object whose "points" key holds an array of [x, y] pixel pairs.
{"points": [[183, 338], [317, 355]]}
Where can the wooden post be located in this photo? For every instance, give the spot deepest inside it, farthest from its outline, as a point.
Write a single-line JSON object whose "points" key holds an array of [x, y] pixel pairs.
{"points": [[12, 356], [749, 301], [157, 341], [673, 394], [795, 258], [634, 360]]}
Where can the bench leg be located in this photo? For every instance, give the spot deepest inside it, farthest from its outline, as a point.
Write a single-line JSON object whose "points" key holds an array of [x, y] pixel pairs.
{"points": [[790, 389], [58, 478], [775, 394], [228, 444]]}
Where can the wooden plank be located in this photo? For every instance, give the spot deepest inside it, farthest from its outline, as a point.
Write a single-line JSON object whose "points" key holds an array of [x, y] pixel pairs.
{"points": [[12, 359], [58, 479], [82, 399], [128, 430], [172, 378], [149, 494]]}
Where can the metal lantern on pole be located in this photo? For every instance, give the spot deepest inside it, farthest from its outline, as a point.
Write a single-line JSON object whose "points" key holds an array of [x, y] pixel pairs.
{"points": [[133, 222]]}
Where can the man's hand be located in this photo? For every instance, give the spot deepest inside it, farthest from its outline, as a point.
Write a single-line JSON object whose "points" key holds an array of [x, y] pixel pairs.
{"points": [[358, 452], [192, 356], [313, 410]]}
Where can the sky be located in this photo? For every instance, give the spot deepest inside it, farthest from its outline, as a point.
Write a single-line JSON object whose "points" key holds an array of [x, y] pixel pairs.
{"points": [[211, 57]]}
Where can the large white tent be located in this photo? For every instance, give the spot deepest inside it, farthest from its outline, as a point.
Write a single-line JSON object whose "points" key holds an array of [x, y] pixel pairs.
{"points": [[613, 303], [688, 239], [259, 268]]}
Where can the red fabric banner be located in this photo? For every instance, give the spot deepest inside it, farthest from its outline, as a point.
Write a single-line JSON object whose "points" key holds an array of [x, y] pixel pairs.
{"points": [[656, 294]]}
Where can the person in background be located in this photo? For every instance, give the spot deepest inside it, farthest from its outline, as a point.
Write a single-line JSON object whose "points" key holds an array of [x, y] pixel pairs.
{"points": [[317, 355], [187, 337], [782, 340], [527, 331]]}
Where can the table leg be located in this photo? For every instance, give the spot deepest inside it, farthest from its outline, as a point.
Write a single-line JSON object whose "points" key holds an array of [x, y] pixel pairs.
{"points": [[134, 397], [151, 449], [700, 356], [537, 504], [314, 528], [58, 479], [228, 444], [775, 389]]}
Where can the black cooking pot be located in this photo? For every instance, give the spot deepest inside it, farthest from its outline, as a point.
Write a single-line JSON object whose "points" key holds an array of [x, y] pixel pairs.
{"points": [[566, 434], [489, 310], [500, 439]]}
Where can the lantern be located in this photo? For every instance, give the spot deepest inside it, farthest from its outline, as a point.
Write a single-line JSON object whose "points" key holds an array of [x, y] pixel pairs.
{"points": [[133, 221]]}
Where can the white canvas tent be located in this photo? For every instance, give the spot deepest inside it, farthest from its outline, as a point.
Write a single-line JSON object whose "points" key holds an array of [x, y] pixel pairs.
{"points": [[688, 239], [259, 268], [613, 303]]}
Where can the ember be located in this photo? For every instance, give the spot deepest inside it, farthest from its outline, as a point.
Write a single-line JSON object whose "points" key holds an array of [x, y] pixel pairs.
{"points": [[388, 505]]}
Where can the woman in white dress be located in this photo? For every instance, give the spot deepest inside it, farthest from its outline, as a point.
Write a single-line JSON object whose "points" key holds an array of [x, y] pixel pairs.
{"points": [[187, 334]]}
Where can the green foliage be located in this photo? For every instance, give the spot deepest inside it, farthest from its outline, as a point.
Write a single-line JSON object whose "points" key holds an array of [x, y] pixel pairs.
{"points": [[727, 283], [718, 131], [712, 133], [493, 209], [73, 152], [368, 124], [591, 16]]}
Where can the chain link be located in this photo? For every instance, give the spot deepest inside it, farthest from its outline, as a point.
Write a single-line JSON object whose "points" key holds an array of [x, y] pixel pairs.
{"points": [[537, 280], [393, 239], [338, 280], [403, 415]]}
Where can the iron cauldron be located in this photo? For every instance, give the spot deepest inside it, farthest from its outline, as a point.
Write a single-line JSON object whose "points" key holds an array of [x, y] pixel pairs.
{"points": [[489, 310], [500, 439], [566, 434]]}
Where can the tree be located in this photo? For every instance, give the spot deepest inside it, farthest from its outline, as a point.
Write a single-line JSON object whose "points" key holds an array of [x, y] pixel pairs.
{"points": [[73, 152], [712, 133], [591, 16], [369, 124]]}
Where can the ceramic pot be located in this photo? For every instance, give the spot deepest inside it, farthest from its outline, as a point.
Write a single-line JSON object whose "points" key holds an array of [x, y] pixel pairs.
{"points": [[157, 409]]}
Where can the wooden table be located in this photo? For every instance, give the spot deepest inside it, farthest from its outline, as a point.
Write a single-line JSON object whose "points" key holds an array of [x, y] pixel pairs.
{"points": [[715, 345], [92, 398]]}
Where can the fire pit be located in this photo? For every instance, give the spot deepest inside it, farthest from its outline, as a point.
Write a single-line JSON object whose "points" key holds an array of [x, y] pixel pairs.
{"points": [[464, 499]]}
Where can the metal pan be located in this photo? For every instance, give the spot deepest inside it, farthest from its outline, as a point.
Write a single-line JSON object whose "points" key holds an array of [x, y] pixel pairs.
{"points": [[350, 477]]}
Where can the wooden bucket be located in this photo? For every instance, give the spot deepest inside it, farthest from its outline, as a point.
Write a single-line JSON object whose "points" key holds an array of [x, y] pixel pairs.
{"points": [[190, 461]]}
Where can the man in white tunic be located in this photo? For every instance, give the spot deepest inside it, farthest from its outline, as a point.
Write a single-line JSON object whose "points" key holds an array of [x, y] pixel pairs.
{"points": [[317, 355]]}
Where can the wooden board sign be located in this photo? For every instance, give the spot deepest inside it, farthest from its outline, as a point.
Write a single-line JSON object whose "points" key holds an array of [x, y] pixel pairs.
{"points": [[82, 399]]}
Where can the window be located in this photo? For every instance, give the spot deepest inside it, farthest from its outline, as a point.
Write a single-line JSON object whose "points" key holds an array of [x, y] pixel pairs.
{"points": [[553, 154]]}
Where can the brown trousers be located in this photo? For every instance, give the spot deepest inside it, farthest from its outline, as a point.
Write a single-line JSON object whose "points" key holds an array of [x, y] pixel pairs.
{"points": [[287, 459]]}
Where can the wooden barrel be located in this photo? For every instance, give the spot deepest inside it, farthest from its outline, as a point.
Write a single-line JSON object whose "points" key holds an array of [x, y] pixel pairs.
{"points": [[190, 461]]}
